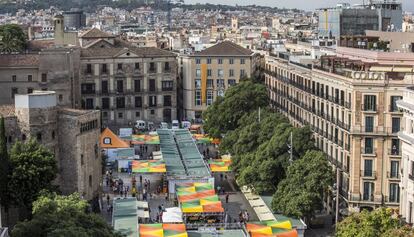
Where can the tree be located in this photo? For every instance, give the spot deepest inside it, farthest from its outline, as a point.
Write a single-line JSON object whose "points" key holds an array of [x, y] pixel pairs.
{"points": [[55, 215], [33, 169], [300, 194], [4, 167], [12, 38], [381, 222], [224, 114]]}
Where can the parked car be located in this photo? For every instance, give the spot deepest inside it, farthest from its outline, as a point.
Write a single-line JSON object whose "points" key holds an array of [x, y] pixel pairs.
{"points": [[185, 124], [140, 124], [175, 124], [164, 125]]}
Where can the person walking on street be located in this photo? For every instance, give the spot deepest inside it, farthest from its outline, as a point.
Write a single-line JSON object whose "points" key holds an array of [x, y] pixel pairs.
{"points": [[107, 199], [227, 198], [140, 179]]}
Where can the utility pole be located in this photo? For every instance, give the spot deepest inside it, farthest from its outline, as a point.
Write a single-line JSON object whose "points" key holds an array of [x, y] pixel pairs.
{"points": [[290, 146], [338, 177]]}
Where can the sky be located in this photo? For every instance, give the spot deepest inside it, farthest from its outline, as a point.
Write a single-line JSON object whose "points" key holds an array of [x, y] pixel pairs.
{"points": [[408, 5]]}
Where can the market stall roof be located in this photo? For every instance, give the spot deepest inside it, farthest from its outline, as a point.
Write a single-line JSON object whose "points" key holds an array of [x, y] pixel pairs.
{"points": [[220, 165], [125, 216], [271, 229], [172, 215], [148, 166], [143, 139], [198, 198], [109, 140], [162, 230]]}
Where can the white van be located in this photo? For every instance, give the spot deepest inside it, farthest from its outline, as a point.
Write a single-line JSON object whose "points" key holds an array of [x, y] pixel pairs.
{"points": [[140, 124], [185, 124], [164, 125], [175, 124]]}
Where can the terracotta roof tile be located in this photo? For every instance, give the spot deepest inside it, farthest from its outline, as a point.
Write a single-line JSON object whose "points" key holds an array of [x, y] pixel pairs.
{"points": [[225, 48], [96, 33]]}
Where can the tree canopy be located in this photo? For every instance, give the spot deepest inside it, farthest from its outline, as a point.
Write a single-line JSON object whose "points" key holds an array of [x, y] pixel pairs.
{"points": [[55, 215], [301, 192], [381, 222], [224, 114], [33, 168], [12, 38], [4, 166]]}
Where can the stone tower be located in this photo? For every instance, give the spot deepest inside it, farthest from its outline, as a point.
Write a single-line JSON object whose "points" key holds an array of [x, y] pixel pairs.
{"points": [[234, 24], [59, 30]]}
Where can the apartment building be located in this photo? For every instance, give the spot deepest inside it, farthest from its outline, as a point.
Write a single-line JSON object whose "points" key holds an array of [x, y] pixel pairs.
{"points": [[406, 135], [209, 73], [349, 101]]}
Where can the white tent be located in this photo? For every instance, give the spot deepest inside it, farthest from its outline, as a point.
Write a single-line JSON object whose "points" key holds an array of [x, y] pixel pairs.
{"points": [[172, 215]]}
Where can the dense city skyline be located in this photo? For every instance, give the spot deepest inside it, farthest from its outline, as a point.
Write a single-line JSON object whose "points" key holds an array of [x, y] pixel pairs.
{"points": [[408, 5]]}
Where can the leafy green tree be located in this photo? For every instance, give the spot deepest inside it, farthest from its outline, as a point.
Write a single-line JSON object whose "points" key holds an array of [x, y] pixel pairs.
{"points": [[55, 215], [33, 169], [300, 194], [4, 167], [12, 38], [224, 114], [381, 222]]}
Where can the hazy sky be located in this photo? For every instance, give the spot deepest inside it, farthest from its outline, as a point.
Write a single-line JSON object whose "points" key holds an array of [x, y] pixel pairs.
{"points": [[408, 5]]}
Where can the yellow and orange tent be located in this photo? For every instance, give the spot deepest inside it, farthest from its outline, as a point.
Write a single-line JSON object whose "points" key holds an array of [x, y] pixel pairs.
{"points": [[109, 140]]}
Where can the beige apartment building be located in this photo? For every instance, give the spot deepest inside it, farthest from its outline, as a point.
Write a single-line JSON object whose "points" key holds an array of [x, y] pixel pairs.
{"points": [[349, 101], [207, 74]]}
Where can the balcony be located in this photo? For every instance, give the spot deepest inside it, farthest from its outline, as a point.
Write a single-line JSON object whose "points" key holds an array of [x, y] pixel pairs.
{"points": [[368, 174], [368, 151], [396, 152], [369, 108], [393, 175]]}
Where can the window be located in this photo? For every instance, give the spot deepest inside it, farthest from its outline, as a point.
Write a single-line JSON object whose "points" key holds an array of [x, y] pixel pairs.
{"points": [[90, 181], [44, 77], [198, 73], [105, 103], [152, 67], [220, 83], [60, 97], [89, 68], [152, 112], [89, 103], [104, 85], [198, 97], [220, 92], [136, 66], [120, 86], [39, 137], [120, 102], [209, 61], [81, 156], [14, 78], [138, 101], [231, 82], [167, 85], [29, 90], [231, 73], [242, 61], [369, 124], [104, 114], [395, 124], [369, 146], [197, 83], [137, 85], [231, 61], [120, 115], [14, 91], [242, 73], [167, 66], [394, 192], [119, 66], [220, 73], [220, 61], [209, 97], [88, 88], [209, 72], [368, 168], [198, 61], [152, 100], [368, 191], [370, 103], [394, 171], [137, 114], [29, 78], [152, 85], [104, 68], [393, 105], [167, 100], [395, 146], [210, 83]]}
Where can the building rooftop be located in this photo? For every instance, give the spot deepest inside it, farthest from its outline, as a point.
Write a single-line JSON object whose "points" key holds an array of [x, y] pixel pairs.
{"points": [[225, 48], [19, 60], [96, 33], [113, 52]]}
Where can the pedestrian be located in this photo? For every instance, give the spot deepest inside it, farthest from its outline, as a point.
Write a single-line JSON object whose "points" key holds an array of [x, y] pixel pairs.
{"points": [[227, 198], [140, 179], [146, 148], [162, 207], [108, 209], [111, 209], [218, 190], [107, 181], [159, 208], [240, 216], [208, 151], [225, 176], [149, 184], [221, 176], [247, 216]]}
